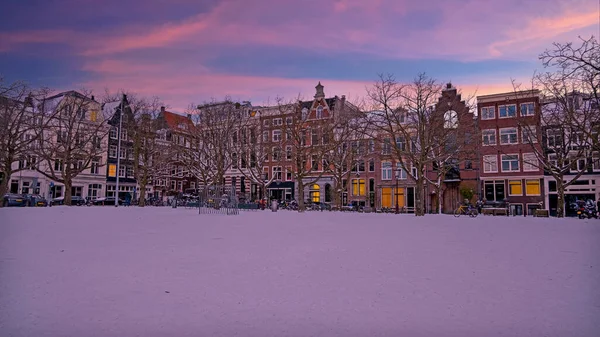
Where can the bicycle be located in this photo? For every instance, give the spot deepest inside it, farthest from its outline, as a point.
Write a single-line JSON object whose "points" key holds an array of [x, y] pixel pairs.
{"points": [[466, 210]]}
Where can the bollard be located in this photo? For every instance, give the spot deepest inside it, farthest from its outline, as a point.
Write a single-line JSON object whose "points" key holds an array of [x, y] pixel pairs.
{"points": [[274, 206]]}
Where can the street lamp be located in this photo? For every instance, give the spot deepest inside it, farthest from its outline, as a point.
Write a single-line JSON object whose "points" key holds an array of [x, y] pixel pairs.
{"points": [[396, 191]]}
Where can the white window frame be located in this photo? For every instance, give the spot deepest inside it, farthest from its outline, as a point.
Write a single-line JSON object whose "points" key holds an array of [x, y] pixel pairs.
{"points": [[596, 161], [486, 135], [531, 130], [516, 136], [528, 158], [518, 169], [386, 170], [552, 134], [319, 112], [489, 162], [112, 151], [505, 106], [528, 113], [277, 172], [276, 135], [403, 173], [485, 115]]}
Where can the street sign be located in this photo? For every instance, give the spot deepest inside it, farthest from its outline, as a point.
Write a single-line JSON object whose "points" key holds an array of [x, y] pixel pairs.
{"points": [[51, 184]]}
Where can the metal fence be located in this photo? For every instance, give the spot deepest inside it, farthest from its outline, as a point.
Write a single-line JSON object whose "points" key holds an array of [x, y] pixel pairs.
{"points": [[218, 199]]}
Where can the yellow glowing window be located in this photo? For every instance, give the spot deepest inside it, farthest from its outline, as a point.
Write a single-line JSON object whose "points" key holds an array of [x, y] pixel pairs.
{"points": [[93, 115], [532, 187], [358, 187], [315, 194], [386, 197], [112, 170], [400, 197], [515, 187]]}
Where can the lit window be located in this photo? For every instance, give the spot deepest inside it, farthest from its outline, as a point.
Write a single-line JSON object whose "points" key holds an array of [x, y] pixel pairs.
{"points": [[515, 187], [532, 187]]}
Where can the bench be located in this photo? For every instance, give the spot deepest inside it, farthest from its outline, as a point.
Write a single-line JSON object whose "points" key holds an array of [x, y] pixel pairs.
{"points": [[541, 213]]}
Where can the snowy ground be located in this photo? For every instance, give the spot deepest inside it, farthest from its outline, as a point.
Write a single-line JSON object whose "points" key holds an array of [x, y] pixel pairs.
{"points": [[101, 271]]}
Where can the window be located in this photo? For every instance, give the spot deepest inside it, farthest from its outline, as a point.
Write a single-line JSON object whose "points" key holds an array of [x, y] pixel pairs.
{"points": [[488, 112], [414, 172], [578, 165], [234, 161], [325, 137], [288, 120], [386, 170], [371, 145], [508, 136], [507, 111], [527, 109], [450, 119], [494, 190], [314, 137], [277, 122], [554, 137], [122, 171], [489, 137], [288, 174], [304, 113], [130, 154], [113, 133], [319, 112], [358, 187], [266, 123], [532, 187], [277, 173], [386, 197], [288, 152], [112, 151], [490, 164], [515, 187], [252, 160], [400, 172], [401, 143], [529, 135], [58, 165], [266, 173], [314, 163], [124, 134], [95, 165], [315, 193], [243, 160], [530, 162], [387, 149], [596, 161], [123, 153], [276, 153], [510, 162], [371, 165], [112, 170], [265, 136], [276, 135], [577, 138], [94, 191], [130, 172]]}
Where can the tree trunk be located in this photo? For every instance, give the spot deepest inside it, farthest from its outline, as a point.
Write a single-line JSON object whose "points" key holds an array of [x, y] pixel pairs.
{"points": [[419, 211], [300, 195], [142, 196], [4, 184], [68, 185], [440, 198], [560, 204]]}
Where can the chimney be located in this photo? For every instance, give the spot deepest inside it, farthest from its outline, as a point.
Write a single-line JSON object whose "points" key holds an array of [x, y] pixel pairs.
{"points": [[162, 109], [92, 97]]}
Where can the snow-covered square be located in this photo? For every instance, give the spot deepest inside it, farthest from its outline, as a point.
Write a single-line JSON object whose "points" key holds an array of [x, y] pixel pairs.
{"points": [[105, 271]]}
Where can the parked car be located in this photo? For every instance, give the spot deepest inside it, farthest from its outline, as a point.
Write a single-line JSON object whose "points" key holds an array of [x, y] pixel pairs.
{"points": [[75, 201], [35, 200], [110, 201], [13, 200]]}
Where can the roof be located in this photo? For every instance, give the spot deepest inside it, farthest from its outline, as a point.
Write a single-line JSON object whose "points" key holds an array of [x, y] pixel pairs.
{"points": [[175, 121]]}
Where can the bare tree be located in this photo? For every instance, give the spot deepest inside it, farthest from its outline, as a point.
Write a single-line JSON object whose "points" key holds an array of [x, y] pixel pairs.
{"points": [[72, 140], [20, 128], [403, 120]]}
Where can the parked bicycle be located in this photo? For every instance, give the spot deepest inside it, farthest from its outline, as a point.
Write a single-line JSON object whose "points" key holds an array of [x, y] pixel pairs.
{"points": [[466, 210]]}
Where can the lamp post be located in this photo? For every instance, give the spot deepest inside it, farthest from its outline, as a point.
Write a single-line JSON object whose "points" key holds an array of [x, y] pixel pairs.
{"points": [[396, 191], [119, 151]]}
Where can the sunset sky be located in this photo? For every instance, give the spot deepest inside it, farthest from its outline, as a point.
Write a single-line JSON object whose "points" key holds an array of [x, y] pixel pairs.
{"points": [[194, 50]]}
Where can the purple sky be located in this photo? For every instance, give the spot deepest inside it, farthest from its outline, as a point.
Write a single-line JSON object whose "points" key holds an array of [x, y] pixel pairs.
{"points": [[191, 51]]}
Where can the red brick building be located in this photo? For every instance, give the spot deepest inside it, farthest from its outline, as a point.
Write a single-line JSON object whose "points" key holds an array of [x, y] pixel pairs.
{"points": [[506, 160]]}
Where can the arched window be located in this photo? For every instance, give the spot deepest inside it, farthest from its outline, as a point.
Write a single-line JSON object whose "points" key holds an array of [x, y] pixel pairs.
{"points": [[319, 112], [315, 193], [450, 119]]}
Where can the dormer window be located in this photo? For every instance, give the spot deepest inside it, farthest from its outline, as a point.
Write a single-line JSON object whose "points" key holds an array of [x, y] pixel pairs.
{"points": [[319, 112]]}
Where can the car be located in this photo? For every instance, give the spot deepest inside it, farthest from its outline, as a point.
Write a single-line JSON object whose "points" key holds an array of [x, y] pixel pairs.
{"points": [[13, 200], [35, 200], [110, 201], [75, 201]]}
